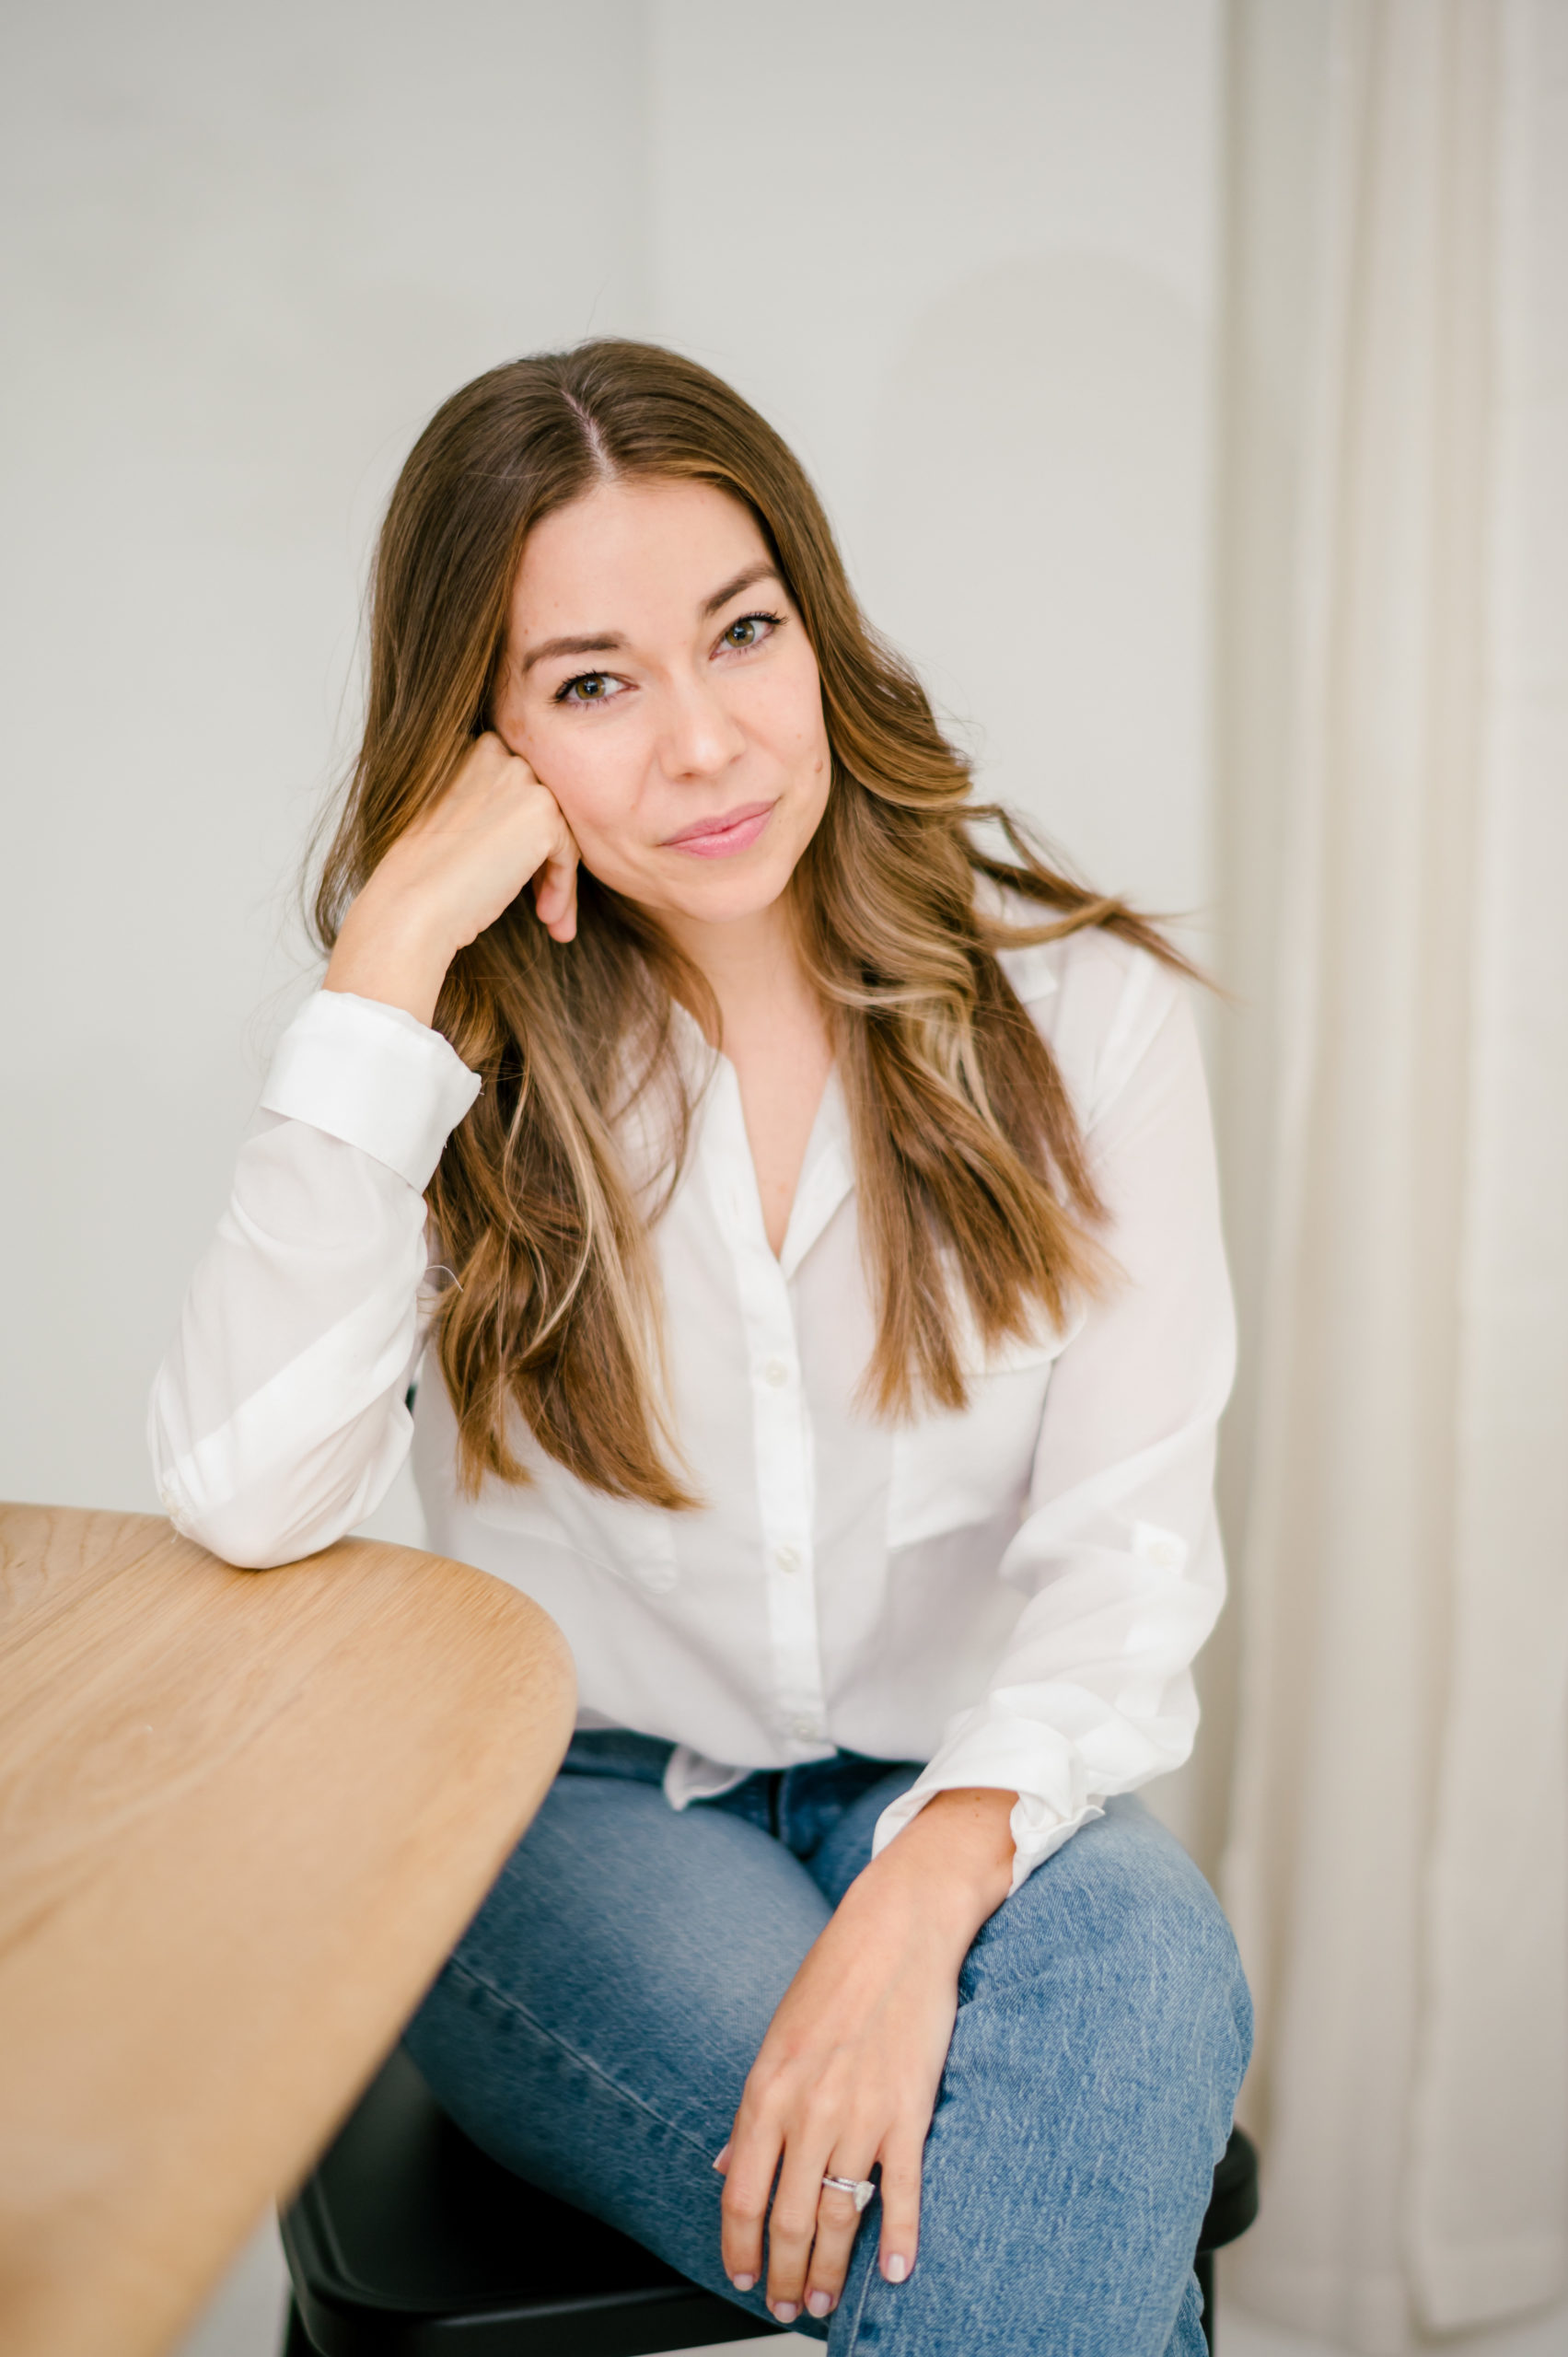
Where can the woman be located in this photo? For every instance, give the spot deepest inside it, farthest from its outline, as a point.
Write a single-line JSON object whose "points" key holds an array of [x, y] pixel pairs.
{"points": [[809, 1219]]}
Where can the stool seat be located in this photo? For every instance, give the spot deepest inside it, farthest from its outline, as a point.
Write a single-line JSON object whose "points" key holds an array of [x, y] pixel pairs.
{"points": [[408, 2241]]}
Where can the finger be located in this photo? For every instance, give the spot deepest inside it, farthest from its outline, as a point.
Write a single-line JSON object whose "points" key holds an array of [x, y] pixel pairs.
{"points": [[555, 889], [792, 2227], [838, 2222], [753, 2154], [902, 2154], [488, 767]]}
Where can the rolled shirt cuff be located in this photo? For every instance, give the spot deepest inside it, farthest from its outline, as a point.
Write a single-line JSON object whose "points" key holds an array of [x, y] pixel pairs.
{"points": [[988, 1751], [373, 1077]]}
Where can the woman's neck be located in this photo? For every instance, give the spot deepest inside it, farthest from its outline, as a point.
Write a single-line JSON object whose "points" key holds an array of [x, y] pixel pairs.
{"points": [[775, 1034], [751, 965]]}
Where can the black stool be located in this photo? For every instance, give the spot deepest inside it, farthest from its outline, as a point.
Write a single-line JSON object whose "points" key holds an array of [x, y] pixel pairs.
{"points": [[407, 2241]]}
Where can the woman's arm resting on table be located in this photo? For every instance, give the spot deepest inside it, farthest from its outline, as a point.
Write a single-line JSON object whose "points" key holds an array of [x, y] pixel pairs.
{"points": [[848, 2072], [277, 1420]]}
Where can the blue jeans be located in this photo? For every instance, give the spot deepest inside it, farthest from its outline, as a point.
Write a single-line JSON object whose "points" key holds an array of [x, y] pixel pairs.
{"points": [[594, 2028]]}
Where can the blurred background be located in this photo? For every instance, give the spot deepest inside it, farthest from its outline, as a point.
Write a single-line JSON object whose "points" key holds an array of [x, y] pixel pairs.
{"points": [[1188, 384]]}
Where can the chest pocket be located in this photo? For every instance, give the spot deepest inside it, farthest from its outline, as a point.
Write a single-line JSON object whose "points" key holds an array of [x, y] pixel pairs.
{"points": [[950, 1472], [620, 1535]]}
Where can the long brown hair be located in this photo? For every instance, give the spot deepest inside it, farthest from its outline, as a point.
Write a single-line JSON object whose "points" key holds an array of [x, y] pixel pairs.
{"points": [[975, 1200]]}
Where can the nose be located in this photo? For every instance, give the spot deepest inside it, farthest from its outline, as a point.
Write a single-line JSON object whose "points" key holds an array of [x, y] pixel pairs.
{"points": [[701, 736]]}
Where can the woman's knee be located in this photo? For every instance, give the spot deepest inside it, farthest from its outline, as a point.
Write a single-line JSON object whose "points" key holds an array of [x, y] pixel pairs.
{"points": [[1169, 1937], [1120, 1934]]}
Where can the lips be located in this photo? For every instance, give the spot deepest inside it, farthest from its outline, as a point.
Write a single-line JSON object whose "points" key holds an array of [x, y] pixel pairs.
{"points": [[726, 831]]}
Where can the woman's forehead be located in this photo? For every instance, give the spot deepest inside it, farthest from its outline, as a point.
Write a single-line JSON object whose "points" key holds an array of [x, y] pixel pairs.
{"points": [[634, 544]]}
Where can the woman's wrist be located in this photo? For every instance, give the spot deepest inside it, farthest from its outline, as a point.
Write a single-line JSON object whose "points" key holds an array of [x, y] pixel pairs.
{"points": [[958, 1857], [393, 953]]}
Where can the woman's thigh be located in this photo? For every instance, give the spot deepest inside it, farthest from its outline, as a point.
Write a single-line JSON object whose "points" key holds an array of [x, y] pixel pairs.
{"points": [[593, 2027]]}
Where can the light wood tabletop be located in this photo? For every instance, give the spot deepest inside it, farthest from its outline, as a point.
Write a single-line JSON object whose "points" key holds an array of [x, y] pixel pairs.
{"points": [[243, 1817]]}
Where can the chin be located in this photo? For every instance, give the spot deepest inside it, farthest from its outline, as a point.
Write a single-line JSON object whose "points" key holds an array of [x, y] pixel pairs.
{"points": [[727, 899]]}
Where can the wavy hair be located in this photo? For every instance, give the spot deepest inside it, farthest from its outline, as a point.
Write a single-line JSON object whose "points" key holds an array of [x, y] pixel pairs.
{"points": [[976, 1202]]}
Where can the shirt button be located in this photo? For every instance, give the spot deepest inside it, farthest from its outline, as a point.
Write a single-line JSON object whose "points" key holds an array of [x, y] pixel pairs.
{"points": [[804, 1730], [1167, 1553], [775, 1371], [788, 1558]]}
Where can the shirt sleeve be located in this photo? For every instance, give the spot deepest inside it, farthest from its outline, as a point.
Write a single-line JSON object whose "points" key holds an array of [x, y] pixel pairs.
{"points": [[277, 1421], [1119, 1552]]}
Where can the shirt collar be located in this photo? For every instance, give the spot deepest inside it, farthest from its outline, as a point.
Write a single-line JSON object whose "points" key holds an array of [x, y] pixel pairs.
{"points": [[826, 1171], [826, 1174]]}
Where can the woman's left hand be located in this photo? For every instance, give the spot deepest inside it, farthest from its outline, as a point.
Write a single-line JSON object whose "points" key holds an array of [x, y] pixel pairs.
{"points": [[848, 2072]]}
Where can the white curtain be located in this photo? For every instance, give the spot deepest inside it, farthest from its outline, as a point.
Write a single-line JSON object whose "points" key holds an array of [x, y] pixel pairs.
{"points": [[1394, 850]]}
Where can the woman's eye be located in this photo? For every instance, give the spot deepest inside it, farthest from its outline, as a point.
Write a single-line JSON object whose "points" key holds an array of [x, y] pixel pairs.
{"points": [[750, 630], [588, 687]]}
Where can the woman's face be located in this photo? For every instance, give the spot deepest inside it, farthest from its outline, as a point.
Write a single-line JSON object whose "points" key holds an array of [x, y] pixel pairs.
{"points": [[657, 680]]}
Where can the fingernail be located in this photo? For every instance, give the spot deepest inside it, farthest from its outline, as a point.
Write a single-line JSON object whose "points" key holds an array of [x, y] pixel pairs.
{"points": [[819, 2302], [744, 2282], [785, 2311], [722, 2156], [896, 2268]]}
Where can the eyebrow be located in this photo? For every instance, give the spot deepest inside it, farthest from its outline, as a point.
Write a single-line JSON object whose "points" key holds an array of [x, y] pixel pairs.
{"points": [[747, 580], [607, 642]]}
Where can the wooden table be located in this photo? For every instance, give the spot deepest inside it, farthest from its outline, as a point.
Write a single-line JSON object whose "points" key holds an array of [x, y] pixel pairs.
{"points": [[243, 1817]]}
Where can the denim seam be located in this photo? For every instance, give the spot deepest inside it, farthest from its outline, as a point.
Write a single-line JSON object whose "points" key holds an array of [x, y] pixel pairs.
{"points": [[585, 2061]]}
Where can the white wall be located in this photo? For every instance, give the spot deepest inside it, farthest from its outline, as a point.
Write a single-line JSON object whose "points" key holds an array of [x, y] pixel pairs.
{"points": [[962, 256]]}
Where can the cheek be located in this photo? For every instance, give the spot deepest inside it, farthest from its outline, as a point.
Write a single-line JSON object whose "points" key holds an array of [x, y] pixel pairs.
{"points": [[594, 773], [788, 718]]}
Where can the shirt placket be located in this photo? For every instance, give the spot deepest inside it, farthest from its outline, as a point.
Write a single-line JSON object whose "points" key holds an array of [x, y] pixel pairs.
{"points": [[785, 1476]]}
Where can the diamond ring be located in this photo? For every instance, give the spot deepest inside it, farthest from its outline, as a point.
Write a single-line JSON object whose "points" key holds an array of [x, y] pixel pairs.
{"points": [[859, 2188]]}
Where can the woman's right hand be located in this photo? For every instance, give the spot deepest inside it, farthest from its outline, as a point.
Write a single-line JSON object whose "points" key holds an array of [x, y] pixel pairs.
{"points": [[493, 831]]}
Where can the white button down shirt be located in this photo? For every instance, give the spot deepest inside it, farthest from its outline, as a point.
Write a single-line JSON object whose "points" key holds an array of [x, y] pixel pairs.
{"points": [[1013, 1593]]}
